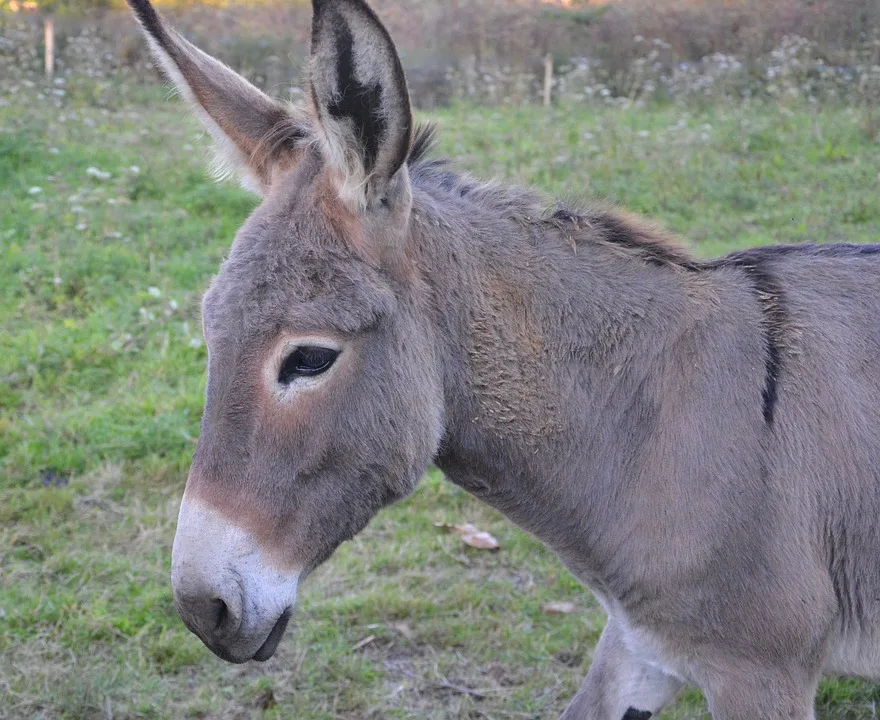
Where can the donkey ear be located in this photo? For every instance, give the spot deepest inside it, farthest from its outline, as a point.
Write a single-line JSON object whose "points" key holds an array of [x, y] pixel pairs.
{"points": [[252, 132], [360, 98]]}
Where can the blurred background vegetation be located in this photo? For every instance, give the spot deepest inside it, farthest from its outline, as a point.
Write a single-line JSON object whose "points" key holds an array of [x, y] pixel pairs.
{"points": [[494, 51]]}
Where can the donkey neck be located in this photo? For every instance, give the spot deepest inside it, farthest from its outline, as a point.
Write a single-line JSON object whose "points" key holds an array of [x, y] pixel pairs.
{"points": [[556, 335]]}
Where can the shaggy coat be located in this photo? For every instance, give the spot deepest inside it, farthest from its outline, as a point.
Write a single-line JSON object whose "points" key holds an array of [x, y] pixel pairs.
{"points": [[699, 441]]}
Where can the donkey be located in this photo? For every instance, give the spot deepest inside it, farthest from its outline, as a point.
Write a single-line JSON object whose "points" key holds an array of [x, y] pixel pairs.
{"points": [[698, 441]]}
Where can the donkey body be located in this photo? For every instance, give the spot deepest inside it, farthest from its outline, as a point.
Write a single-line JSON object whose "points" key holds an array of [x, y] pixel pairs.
{"points": [[698, 441]]}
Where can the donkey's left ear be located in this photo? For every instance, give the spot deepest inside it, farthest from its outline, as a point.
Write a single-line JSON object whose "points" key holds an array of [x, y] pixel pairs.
{"points": [[254, 135], [360, 101]]}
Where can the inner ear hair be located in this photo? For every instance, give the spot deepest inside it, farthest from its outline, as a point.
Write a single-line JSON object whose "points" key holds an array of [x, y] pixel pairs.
{"points": [[253, 133], [360, 99]]}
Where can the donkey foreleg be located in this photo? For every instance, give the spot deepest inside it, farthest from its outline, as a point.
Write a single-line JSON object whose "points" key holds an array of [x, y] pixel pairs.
{"points": [[745, 692], [620, 685]]}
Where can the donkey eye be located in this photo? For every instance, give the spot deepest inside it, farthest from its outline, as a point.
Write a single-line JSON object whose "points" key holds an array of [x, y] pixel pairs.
{"points": [[306, 361]]}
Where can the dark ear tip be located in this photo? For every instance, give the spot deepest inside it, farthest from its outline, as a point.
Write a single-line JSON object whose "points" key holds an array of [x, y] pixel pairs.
{"points": [[141, 8], [319, 6], [148, 17]]}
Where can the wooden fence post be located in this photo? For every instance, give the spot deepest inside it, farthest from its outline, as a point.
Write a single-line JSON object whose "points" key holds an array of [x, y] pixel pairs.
{"points": [[548, 78], [49, 43]]}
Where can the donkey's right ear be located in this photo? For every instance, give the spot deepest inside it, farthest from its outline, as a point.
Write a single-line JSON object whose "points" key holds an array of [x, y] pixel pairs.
{"points": [[254, 135], [360, 100]]}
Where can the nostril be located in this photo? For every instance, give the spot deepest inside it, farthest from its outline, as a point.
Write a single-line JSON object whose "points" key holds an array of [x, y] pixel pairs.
{"points": [[221, 612], [213, 613]]}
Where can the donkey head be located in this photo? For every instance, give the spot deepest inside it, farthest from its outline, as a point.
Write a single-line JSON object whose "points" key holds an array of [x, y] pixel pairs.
{"points": [[324, 399]]}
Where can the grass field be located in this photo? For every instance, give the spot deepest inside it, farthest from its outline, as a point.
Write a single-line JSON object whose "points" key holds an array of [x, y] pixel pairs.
{"points": [[101, 382]]}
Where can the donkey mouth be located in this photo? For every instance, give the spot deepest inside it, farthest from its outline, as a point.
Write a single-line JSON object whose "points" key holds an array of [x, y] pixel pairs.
{"points": [[268, 648], [263, 653]]}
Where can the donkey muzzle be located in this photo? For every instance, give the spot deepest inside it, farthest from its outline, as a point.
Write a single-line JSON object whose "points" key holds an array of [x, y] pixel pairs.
{"points": [[225, 590]]}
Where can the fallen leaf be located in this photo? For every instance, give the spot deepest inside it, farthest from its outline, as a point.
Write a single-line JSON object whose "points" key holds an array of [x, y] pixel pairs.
{"points": [[363, 643], [404, 629], [558, 608], [472, 536], [480, 540]]}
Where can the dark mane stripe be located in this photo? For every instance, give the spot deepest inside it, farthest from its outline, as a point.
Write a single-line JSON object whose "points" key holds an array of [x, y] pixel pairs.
{"points": [[604, 224], [755, 263], [773, 316], [615, 227], [770, 295]]}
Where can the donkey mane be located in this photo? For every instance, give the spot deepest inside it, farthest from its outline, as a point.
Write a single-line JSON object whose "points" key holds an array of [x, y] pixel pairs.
{"points": [[597, 223]]}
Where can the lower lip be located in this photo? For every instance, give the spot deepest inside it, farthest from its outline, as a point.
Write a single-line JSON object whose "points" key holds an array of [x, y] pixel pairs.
{"points": [[268, 648]]}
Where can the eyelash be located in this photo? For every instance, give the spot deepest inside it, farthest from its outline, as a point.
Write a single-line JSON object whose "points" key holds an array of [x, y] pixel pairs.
{"points": [[306, 361]]}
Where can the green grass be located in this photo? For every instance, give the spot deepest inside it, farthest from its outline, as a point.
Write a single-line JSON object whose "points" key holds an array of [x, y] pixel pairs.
{"points": [[101, 382]]}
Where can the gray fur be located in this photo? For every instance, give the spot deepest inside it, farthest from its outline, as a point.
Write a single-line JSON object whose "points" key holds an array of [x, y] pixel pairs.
{"points": [[698, 441]]}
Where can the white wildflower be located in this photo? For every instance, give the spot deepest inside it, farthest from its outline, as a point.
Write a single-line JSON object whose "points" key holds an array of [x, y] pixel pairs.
{"points": [[54, 151], [97, 174], [134, 169], [154, 291], [195, 342], [82, 226], [35, 190]]}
